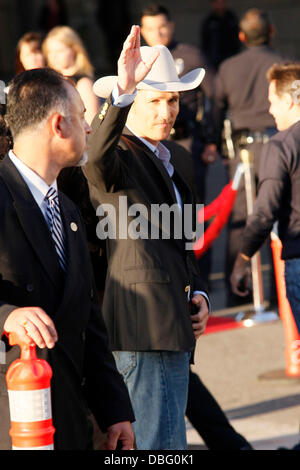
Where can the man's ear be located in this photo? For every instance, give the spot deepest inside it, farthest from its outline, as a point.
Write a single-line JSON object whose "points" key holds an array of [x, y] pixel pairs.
{"points": [[58, 125], [288, 99]]}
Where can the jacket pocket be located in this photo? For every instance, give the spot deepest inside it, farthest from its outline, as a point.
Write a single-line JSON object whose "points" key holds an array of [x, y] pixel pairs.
{"points": [[125, 362]]}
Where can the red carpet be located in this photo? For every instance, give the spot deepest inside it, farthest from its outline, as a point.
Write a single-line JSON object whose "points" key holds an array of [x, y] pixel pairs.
{"points": [[216, 324]]}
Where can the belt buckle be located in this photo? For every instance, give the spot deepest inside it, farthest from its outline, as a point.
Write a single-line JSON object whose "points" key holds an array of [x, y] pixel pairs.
{"points": [[244, 139], [257, 137], [266, 138]]}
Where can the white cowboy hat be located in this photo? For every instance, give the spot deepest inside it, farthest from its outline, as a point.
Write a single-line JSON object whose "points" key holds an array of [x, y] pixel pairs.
{"points": [[162, 76]]}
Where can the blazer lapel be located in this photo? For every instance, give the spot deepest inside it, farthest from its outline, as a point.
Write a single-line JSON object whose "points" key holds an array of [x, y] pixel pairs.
{"points": [[184, 190], [32, 221], [71, 226], [154, 159], [182, 186]]}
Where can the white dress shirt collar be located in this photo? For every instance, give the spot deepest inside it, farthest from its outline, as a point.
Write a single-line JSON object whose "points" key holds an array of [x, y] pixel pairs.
{"points": [[37, 186], [161, 151]]}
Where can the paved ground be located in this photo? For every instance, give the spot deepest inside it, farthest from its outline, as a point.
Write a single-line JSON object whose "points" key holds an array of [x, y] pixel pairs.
{"points": [[234, 365]]}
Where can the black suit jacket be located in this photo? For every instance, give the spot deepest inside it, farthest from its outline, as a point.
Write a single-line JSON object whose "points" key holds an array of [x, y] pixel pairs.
{"points": [[278, 197], [145, 301], [84, 372]]}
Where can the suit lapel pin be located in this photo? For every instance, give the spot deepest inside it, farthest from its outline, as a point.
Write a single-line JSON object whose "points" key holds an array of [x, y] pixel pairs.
{"points": [[73, 226]]}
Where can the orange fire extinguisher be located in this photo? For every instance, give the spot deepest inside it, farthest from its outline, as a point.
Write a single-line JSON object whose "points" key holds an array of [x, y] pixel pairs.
{"points": [[28, 383]]}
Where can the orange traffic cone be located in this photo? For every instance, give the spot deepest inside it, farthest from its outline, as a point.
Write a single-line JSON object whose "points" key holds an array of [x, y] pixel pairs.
{"points": [[28, 384], [292, 337]]}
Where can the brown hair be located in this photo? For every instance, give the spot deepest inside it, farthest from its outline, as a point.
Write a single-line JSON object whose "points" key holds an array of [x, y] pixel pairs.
{"points": [[32, 95], [284, 76], [6, 141], [154, 10], [33, 37]]}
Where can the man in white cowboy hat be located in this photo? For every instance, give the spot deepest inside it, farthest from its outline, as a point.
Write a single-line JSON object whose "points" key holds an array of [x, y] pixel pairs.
{"points": [[152, 281], [158, 27]]}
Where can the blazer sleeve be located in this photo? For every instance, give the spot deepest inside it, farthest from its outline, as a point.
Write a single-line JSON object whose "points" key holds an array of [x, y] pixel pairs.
{"points": [[5, 307], [107, 126], [274, 181], [5, 310], [106, 393]]}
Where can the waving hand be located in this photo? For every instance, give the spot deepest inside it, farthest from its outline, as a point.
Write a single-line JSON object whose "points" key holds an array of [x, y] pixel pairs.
{"points": [[131, 67]]}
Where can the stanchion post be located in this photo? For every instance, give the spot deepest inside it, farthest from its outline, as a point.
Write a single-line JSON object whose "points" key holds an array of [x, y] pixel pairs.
{"points": [[247, 158], [259, 314]]}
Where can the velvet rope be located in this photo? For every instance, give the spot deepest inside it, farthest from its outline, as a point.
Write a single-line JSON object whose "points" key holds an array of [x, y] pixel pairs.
{"points": [[220, 208]]}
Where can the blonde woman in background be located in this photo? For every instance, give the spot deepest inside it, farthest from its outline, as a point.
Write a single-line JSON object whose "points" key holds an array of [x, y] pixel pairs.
{"points": [[64, 52]]}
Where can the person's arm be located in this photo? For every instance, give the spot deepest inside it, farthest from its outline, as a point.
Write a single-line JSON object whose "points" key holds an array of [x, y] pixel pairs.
{"points": [[90, 100], [272, 197], [108, 125], [209, 154], [273, 184], [199, 300], [208, 82], [219, 107], [105, 391], [204, 35], [240, 275]]}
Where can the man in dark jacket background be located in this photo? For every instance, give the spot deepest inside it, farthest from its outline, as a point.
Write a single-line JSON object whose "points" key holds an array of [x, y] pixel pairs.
{"points": [[278, 196], [241, 95]]}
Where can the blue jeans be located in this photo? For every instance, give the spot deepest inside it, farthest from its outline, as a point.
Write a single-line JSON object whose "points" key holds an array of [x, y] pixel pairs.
{"points": [[292, 281], [157, 382]]}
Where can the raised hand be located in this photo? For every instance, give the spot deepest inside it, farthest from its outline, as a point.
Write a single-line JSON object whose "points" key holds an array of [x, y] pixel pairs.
{"points": [[131, 68]]}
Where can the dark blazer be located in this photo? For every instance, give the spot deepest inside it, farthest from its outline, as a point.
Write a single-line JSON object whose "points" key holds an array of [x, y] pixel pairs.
{"points": [[84, 373], [145, 301], [278, 197]]}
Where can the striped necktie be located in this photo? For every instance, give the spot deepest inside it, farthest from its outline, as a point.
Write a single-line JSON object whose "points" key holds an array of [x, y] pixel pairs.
{"points": [[55, 225]]}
